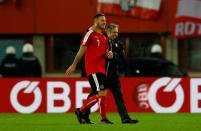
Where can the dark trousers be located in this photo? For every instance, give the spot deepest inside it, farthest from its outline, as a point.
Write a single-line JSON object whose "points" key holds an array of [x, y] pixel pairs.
{"points": [[115, 87]]}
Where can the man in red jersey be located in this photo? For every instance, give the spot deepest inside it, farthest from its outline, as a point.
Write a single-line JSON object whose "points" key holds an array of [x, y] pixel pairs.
{"points": [[95, 47]]}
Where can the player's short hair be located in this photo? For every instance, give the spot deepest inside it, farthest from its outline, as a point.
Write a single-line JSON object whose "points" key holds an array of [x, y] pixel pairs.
{"points": [[111, 26], [97, 16]]}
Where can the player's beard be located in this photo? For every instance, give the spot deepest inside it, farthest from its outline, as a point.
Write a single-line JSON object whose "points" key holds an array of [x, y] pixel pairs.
{"points": [[101, 26]]}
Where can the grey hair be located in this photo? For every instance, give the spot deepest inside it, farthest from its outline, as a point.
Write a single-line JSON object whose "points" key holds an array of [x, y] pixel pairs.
{"points": [[111, 26]]}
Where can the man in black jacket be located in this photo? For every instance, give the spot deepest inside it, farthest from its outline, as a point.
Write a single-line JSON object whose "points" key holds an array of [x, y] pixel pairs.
{"points": [[29, 64], [9, 65], [113, 68]]}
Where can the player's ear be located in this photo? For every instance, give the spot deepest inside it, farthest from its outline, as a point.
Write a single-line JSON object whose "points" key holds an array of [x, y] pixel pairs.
{"points": [[108, 33], [95, 21]]}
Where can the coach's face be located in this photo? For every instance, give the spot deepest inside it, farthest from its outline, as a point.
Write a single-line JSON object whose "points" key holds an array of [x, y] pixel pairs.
{"points": [[101, 22], [113, 33]]}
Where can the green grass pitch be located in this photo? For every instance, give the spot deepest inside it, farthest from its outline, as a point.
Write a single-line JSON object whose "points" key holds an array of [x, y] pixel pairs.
{"points": [[68, 122]]}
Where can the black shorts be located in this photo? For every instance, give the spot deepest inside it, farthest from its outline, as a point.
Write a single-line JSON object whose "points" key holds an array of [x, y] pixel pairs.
{"points": [[97, 82]]}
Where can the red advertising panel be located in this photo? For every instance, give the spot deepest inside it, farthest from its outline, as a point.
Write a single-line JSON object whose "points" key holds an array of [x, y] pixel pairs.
{"points": [[59, 95]]}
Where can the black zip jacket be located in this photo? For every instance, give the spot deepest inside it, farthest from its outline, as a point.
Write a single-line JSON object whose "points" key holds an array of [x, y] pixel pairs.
{"points": [[115, 66]]}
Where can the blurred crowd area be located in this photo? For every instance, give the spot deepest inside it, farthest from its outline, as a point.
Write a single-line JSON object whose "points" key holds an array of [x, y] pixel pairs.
{"points": [[18, 60], [146, 55]]}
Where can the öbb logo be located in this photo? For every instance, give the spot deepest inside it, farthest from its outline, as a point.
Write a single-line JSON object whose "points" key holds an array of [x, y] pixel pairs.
{"points": [[32, 87], [171, 85], [29, 87], [146, 96]]}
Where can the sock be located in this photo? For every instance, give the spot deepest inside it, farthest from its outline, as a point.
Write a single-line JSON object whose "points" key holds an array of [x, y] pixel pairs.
{"points": [[89, 103], [102, 105]]}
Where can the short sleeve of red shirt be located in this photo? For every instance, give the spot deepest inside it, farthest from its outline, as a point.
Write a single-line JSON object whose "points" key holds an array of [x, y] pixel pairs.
{"points": [[86, 39]]}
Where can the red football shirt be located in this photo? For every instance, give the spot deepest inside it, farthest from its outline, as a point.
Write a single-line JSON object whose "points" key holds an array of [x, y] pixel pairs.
{"points": [[97, 44]]}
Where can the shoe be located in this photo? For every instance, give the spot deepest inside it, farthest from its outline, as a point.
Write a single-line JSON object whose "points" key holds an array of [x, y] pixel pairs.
{"points": [[86, 117], [78, 113], [89, 122], [106, 121], [129, 121]]}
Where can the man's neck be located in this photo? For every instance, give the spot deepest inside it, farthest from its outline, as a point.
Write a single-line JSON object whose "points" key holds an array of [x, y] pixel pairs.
{"points": [[96, 29]]}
